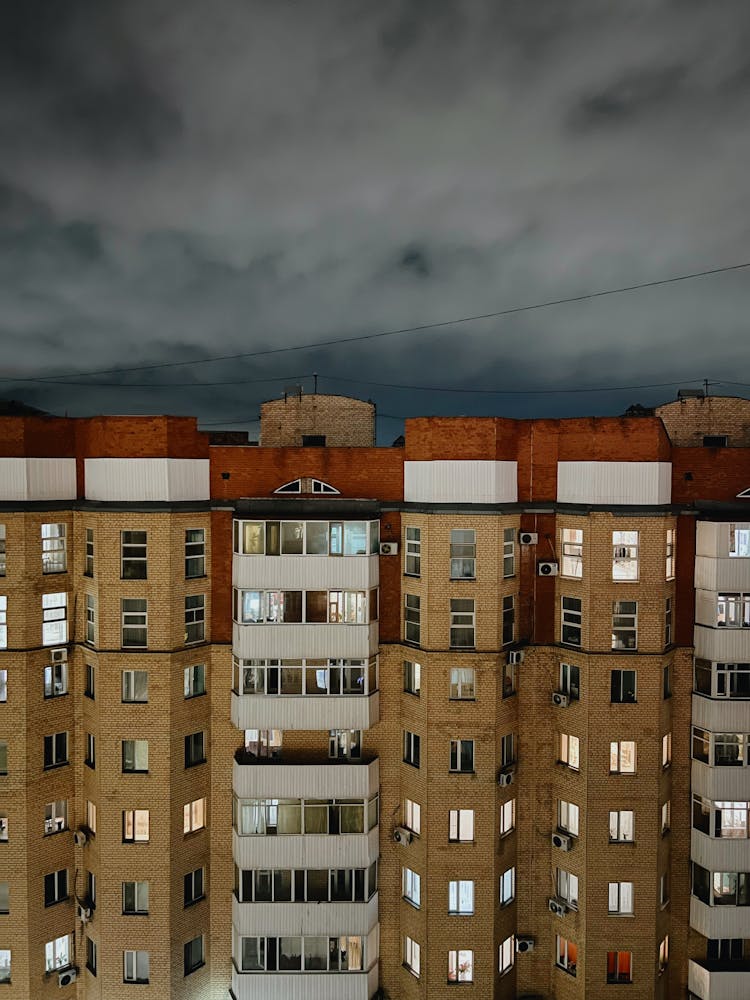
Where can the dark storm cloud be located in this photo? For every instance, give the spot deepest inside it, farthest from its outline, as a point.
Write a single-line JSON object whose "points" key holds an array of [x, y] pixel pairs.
{"points": [[179, 181]]}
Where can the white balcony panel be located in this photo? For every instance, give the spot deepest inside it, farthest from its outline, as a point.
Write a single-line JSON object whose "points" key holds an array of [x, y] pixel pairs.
{"points": [[305, 572], [310, 919], [461, 482], [719, 921], [720, 854], [305, 985], [251, 711], [614, 482], [720, 784], [722, 575], [714, 985], [722, 715], [721, 645], [38, 479], [348, 642], [712, 539], [311, 850], [137, 479], [311, 781]]}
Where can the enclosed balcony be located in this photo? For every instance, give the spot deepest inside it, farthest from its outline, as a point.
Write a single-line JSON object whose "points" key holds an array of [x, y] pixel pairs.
{"points": [[717, 980], [288, 778], [305, 985], [310, 919]]}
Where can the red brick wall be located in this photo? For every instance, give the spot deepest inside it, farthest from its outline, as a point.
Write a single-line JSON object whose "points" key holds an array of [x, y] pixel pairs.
{"points": [[221, 576], [37, 437], [140, 437], [717, 473]]}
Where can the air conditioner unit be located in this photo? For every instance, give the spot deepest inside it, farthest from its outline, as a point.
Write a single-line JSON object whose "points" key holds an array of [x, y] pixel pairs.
{"points": [[66, 977], [389, 548], [524, 944], [556, 907], [515, 656], [562, 841], [547, 569], [80, 837], [505, 778], [59, 655], [402, 836], [84, 913], [560, 700], [528, 537]]}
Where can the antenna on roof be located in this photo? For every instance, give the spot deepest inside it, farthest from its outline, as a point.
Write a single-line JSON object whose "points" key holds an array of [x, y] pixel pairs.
{"points": [[691, 393], [292, 390]]}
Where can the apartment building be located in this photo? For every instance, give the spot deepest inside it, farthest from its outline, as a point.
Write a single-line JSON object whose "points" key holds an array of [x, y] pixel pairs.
{"points": [[320, 719]]}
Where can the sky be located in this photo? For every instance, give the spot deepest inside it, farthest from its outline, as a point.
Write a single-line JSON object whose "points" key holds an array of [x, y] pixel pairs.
{"points": [[182, 180]]}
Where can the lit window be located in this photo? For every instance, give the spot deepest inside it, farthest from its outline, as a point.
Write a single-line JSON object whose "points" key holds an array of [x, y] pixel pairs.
{"points": [[411, 748], [135, 826], [195, 680], [625, 555], [462, 623], [625, 625], [133, 555], [56, 887], [622, 826], [195, 618], [572, 553], [413, 552], [412, 677], [461, 966], [135, 686], [195, 553], [622, 687], [54, 550], [55, 817], [666, 750], [55, 750], [411, 886], [621, 897], [461, 825], [509, 552], [90, 817], [572, 617], [54, 619], [135, 898], [412, 618], [669, 559], [507, 817], [619, 966], [461, 898], [134, 756], [568, 817], [666, 816], [3, 685], [664, 954], [507, 955], [570, 751], [622, 757], [194, 956], [194, 816], [507, 886], [462, 684], [566, 955], [462, 755], [411, 956], [412, 816], [57, 953], [136, 966], [463, 554]]}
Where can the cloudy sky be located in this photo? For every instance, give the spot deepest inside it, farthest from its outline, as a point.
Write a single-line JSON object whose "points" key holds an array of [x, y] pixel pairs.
{"points": [[182, 180]]}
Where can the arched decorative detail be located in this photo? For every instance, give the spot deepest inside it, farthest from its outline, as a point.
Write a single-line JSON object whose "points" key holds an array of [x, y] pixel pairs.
{"points": [[307, 484]]}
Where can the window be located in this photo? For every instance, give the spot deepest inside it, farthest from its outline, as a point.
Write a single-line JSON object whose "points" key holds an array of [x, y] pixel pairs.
{"points": [[90, 681], [345, 744], [135, 898], [88, 566], [58, 953], [663, 890], [625, 555], [625, 625], [3, 622], [135, 686], [507, 750], [3, 756], [622, 757], [194, 816], [506, 955], [193, 888], [3, 827], [621, 897], [411, 618], [701, 745], [134, 756], [666, 816], [135, 826], [412, 816], [507, 886], [3, 685], [461, 898], [461, 825], [510, 674], [2, 558], [462, 755], [666, 675], [413, 549], [195, 680], [669, 560], [55, 816], [91, 889], [509, 620], [5, 898], [90, 619], [507, 822], [619, 966], [133, 551], [463, 554], [568, 817], [411, 956], [567, 888], [412, 677], [90, 758], [462, 684], [54, 619], [4, 965], [55, 680], [54, 552], [195, 618], [195, 751], [666, 750], [195, 553], [462, 623], [461, 966], [509, 552], [739, 541], [623, 687], [134, 623], [622, 826], [411, 883], [668, 621], [411, 748], [572, 553], [733, 611], [572, 616], [566, 955], [55, 750], [135, 966], [570, 681], [91, 956], [91, 816], [194, 954], [570, 751], [663, 954]]}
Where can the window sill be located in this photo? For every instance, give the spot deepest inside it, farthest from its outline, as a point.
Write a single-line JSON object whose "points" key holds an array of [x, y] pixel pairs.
{"points": [[198, 694], [194, 968], [411, 764], [458, 913], [195, 763], [462, 699], [411, 903], [134, 771], [413, 576], [135, 913], [54, 767], [462, 772], [625, 916], [568, 972], [458, 579], [192, 902], [410, 970], [626, 843], [57, 694]]}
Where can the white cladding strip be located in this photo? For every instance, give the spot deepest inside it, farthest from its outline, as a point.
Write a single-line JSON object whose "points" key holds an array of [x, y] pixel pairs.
{"points": [[720, 854], [305, 572], [721, 645], [461, 482], [139, 479], [335, 642], [722, 715], [720, 784], [310, 919], [719, 921], [38, 479], [307, 850], [305, 985], [251, 711], [614, 482], [718, 985], [722, 575], [313, 781]]}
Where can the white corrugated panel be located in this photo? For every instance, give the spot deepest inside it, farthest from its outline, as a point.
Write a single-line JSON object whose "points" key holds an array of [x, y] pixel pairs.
{"points": [[252, 711], [312, 781], [711, 539], [308, 919], [722, 575], [461, 482], [720, 854], [719, 921], [305, 985], [305, 572], [720, 784], [723, 715], [38, 479], [721, 984], [706, 607], [139, 479], [313, 641], [722, 645], [614, 482], [310, 850]]}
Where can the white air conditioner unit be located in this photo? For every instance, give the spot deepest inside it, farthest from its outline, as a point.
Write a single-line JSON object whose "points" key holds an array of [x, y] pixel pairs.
{"points": [[505, 778], [562, 841], [84, 913], [528, 538], [402, 836], [59, 655], [389, 548], [560, 700], [524, 944], [515, 656], [556, 907], [80, 837], [66, 977], [547, 569]]}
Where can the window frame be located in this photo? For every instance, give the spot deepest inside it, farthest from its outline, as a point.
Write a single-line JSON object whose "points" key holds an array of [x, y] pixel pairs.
{"points": [[134, 620], [625, 556], [459, 906], [54, 548], [571, 621], [462, 752], [461, 826], [412, 678], [463, 564], [195, 552], [412, 550], [412, 619], [133, 564]]}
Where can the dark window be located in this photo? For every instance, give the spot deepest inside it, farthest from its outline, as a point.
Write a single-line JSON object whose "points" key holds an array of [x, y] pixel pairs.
{"points": [[55, 887], [715, 441], [194, 749], [194, 955], [313, 440], [622, 686]]}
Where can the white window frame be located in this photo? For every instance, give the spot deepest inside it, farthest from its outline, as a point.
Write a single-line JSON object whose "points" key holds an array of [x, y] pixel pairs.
{"points": [[461, 898], [132, 620], [625, 625], [566, 884], [412, 748], [462, 623], [563, 957], [412, 551], [457, 749], [462, 684], [412, 960], [412, 816], [570, 751], [3, 564], [461, 965], [58, 953], [194, 816], [91, 619], [739, 542], [666, 816], [509, 553], [412, 677], [463, 554], [622, 822], [195, 680], [507, 887], [666, 750], [572, 553], [54, 549], [139, 904], [571, 621], [669, 557], [55, 677], [411, 886], [506, 955], [412, 619], [59, 750], [195, 618], [88, 564], [620, 898], [195, 552], [136, 564], [136, 826], [3, 621], [623, 757], [136, 966], [55, 619], [461, 826], [568, 817], [129, 682], [625, 556], [507, 820], [55, 817]]}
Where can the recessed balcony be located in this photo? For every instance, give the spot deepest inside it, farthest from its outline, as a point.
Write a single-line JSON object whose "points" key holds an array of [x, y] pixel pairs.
{"points": [[719, 980]]}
